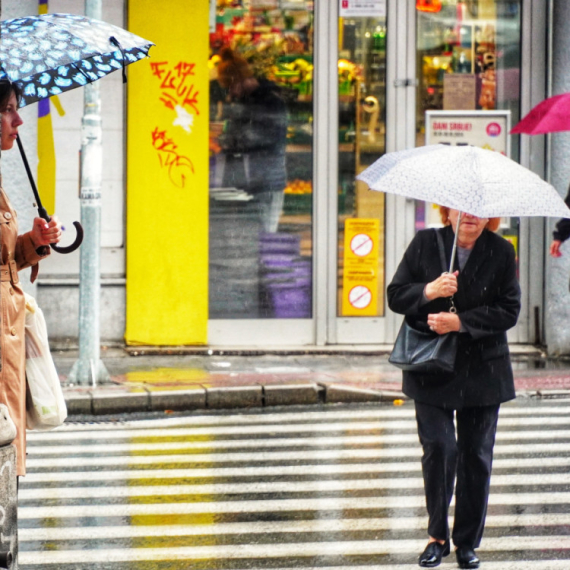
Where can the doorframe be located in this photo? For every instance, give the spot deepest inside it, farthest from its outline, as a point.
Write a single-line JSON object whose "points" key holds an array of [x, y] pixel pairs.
{"points": [[399, 212], [300, 332], [325, 169], [532, 238]]}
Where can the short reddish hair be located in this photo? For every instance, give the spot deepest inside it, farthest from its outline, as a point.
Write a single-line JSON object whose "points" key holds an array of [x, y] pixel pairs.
{"points": [[492, 225], [233, 68]]}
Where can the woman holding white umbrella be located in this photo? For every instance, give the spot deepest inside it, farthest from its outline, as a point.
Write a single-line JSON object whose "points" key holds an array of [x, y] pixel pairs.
{"points": [[486, 296], [482, 281]]}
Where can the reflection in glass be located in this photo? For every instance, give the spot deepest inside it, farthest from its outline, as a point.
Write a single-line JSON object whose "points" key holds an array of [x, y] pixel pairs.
{"points": [[261, 146], [468, 58]]}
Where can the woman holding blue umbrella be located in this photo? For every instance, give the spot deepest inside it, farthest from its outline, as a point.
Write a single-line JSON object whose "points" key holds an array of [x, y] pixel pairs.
{"points": [[16, 252]]}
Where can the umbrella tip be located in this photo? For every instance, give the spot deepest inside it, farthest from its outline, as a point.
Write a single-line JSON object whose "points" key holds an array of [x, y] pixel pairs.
{"points": [[117, 43]]}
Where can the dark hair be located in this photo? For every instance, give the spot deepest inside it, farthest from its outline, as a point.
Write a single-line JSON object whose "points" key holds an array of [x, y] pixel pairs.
{"points": [[7, 88]]}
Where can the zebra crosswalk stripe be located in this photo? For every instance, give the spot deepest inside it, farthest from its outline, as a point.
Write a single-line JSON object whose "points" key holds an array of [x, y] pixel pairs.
{"points": [[336, 484], [322, 525], [304, 549]]}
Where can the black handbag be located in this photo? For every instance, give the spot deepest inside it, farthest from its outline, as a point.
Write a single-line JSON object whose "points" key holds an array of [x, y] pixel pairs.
{"points": [[423, 351]]}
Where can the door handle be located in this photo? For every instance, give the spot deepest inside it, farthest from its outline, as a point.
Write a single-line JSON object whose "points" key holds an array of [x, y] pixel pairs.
{"points": [[405, 82]]}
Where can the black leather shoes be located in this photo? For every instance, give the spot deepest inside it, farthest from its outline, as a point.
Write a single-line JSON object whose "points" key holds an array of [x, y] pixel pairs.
{"points": [[466, 558], [433, 554]]}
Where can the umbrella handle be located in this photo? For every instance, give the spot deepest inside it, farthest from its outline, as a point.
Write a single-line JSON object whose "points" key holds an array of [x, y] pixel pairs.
{"points": [[42, 212], [78, 234]]}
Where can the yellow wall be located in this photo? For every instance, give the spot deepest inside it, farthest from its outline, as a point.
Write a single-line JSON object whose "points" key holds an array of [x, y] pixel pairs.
{"points": [[167, 175]]}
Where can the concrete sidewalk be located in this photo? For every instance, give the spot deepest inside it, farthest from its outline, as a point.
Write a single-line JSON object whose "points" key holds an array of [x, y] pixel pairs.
{"points": [[172, 379]]}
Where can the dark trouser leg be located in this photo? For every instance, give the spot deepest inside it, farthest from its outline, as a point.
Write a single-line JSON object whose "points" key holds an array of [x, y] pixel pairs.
{"points": [[437, 436], [476, 428]]}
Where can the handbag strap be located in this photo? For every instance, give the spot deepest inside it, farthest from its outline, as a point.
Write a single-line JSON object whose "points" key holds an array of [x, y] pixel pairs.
{"points": [[441, 251], [452, 308]]}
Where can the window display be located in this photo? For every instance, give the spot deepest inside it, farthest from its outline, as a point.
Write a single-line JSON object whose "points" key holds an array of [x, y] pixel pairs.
{"points": [[261, 144]]}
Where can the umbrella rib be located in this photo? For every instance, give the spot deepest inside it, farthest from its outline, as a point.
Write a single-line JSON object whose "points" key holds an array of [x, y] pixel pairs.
{"points": [[89, 80]]}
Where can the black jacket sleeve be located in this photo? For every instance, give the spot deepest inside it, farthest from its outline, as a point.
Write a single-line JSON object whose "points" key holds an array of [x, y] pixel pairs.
{"points": [[562, 230], [405, 291], [501, 313]]}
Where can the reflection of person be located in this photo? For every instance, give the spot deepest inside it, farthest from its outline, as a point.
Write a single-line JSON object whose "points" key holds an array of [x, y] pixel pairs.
{"points": [[256, 130], [487, 297], [561, 233], [17, 252]]}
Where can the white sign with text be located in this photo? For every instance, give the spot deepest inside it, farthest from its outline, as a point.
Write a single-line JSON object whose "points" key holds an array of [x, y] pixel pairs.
{"points": [[362, 8]]}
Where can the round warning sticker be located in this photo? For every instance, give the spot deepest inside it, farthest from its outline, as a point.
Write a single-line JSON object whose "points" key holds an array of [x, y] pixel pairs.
{"points": [[361, 245], [360, 297]]}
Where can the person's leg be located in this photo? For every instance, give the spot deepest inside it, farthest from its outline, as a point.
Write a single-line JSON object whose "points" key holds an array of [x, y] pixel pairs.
{"points": [[271, 208], [436, 431], [476, 428]]}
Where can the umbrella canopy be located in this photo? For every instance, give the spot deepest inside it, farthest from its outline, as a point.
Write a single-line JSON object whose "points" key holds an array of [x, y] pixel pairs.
{"points": [[48, 54], [550, 116], [480, 182]]}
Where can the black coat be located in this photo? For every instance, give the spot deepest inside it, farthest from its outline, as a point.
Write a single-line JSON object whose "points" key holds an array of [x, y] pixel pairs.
{"points": [[488, 304], [256, 129], [562, 231]]}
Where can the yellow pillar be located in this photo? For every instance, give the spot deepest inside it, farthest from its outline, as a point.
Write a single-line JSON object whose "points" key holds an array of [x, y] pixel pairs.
{"points": [[167, 175]]}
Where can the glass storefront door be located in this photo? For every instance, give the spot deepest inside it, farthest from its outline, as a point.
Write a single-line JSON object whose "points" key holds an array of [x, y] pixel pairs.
{"points": [[300, 253], [261, 146], [362, 140]]}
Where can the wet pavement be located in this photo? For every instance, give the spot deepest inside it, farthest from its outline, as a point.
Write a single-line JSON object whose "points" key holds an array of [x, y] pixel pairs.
{"points": [[304, 488], [167, 380]]}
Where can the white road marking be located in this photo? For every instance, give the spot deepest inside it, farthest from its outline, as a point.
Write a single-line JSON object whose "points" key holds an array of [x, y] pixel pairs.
{"points": [[275, 505], [247, 471], [417, 483], [305, 549], [268, 527], [265, 429]]}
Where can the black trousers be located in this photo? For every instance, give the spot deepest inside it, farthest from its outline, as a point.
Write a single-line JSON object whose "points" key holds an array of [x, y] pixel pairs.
{"points": [[467, 457]]}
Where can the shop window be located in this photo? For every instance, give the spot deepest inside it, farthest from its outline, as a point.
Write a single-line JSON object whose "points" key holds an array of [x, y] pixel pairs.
{"points": [[261, 145]]}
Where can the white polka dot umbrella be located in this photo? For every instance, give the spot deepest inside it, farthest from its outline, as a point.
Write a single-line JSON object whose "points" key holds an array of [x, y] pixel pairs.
{"points": [[480, 182], [473, 180]]}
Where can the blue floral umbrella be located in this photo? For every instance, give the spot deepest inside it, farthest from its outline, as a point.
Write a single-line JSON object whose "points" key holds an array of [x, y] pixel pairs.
{"points": [[49, 54]]}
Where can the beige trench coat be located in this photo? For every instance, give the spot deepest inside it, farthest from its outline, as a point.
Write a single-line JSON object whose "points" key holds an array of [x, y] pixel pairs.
{"points": [[17, 252]]}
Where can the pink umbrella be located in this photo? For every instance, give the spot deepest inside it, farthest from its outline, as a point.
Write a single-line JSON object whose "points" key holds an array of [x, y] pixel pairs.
{"points": [[550, 116]]}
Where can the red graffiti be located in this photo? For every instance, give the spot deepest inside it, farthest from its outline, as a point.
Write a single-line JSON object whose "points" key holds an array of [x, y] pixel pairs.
{"points": [[176, 84], [178, 166], [157, 68]]}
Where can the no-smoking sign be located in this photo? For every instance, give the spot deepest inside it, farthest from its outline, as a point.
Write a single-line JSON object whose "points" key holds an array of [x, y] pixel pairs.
{"points": [[360, 297], [360, 267], [361, 245]]}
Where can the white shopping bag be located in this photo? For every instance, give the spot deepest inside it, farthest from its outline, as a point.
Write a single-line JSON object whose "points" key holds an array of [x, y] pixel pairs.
{"points": [[45, 405]]}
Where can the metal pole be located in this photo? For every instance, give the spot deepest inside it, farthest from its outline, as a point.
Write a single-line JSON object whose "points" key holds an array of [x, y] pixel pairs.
{"points": [[454, 249], [89, 369]]}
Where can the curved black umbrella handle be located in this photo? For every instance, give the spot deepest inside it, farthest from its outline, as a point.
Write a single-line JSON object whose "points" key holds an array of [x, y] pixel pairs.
{"points": [[67, 248], [74, 245], [42, 212]]}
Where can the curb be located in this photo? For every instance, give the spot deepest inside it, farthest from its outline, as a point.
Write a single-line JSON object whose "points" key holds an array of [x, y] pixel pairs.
{"points": [[102, 401], [516, 350], [115, 400]]}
